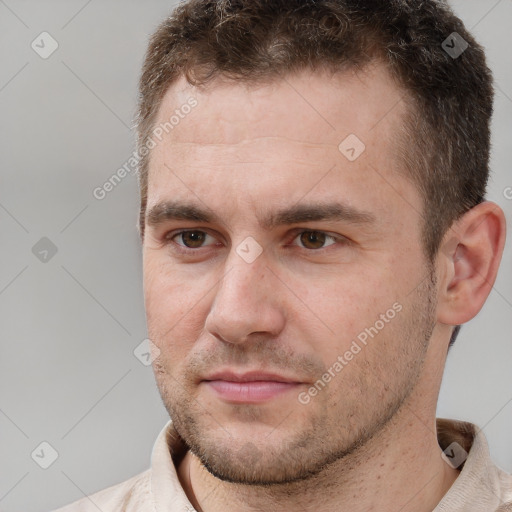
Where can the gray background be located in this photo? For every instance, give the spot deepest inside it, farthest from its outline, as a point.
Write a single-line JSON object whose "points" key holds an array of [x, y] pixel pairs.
{"points": [[69, 325]]}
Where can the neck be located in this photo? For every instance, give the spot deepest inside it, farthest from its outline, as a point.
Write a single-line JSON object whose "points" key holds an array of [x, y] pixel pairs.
{"points": [[399, 469]]}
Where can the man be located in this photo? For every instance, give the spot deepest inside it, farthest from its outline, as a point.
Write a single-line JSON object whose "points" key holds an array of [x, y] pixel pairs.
{"points": [[314, 233]]}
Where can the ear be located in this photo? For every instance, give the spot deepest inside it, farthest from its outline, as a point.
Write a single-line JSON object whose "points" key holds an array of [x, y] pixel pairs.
{"points": [[468, 262]]}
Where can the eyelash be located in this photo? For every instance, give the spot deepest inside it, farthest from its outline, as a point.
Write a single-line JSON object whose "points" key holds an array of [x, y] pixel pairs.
{"points": [[169, 238]]}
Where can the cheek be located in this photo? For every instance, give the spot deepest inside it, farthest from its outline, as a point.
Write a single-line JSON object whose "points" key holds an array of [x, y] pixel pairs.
{"points": [[359, 319], [342, 304], [175, 305]]}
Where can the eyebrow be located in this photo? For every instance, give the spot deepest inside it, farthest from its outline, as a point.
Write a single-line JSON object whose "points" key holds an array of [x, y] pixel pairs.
{"points": [[318, 212], [173, 210]]}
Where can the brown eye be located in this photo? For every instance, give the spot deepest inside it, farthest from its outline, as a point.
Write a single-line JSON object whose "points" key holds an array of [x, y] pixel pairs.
{"points": [[313, 239], [192, 239]]}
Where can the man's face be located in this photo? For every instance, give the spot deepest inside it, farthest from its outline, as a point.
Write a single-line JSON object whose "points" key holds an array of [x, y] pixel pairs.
{"points": [[269, 248]]}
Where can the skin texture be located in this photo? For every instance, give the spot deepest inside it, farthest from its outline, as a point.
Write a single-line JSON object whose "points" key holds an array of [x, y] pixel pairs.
{"points": [[365, 441]]}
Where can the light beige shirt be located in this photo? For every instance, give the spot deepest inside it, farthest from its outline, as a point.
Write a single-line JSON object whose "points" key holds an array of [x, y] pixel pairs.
{"points": [[480, 487]]}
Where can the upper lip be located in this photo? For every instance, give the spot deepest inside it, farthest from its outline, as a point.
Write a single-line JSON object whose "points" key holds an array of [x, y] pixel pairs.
{"points": [[248, 376]]}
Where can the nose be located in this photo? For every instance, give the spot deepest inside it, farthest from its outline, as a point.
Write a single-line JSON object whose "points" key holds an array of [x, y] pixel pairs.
{"points": [[246, 302]]}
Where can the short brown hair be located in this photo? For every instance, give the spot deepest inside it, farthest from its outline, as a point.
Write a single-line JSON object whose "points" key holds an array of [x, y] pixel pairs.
{"points": [[444, 142]]}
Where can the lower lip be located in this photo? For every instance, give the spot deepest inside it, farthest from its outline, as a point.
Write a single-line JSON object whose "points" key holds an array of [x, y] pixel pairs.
{"points": [[249, 392]]}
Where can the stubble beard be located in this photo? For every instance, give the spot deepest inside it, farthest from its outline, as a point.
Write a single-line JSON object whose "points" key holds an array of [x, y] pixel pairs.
{"points": [[325, 440]]}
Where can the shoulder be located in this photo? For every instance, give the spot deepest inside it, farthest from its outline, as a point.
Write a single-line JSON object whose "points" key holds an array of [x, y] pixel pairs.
{"points": [[505, 490], [128, 496]]}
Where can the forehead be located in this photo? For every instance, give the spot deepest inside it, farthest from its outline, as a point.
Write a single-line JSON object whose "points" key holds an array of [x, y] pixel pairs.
{"points": [[316, 107], [283, 136]]}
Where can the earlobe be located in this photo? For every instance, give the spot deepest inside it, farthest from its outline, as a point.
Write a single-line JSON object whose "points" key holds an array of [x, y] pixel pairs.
{"points": [[470, 256]]}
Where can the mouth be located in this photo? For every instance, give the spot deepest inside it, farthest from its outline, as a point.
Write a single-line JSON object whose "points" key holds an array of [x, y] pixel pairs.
{"points": [[250, 387]]}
